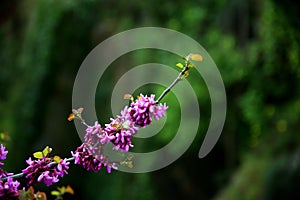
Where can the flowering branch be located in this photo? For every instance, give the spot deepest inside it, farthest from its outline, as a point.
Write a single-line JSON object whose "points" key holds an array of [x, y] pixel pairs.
{"points": [[20, 175], [90, 154]]}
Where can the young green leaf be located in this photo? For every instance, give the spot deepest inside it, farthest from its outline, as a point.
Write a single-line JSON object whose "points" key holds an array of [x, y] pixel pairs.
{"points": [[47, 150], [190, 65], [57, 159], [55, 193], [179, 65], [38, 155]]}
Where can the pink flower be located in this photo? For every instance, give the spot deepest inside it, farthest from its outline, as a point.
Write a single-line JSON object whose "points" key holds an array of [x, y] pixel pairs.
{"points": [[62, 167], [96, 136], [3, 154], [9, 189], [121, 129], [89, 161], [144, 108], [40, 170], [47, 178]]}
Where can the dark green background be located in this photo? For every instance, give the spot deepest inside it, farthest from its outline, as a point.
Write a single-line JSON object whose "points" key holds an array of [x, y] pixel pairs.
{"points": [[255, 45]]}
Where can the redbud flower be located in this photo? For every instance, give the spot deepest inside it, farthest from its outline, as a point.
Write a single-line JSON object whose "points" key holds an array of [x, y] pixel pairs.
{"points": [[62, 167], [40, 170], [110, 166], [158, 111], [47, 178], [90, 161], [3, 173], [96, 136], [9, 189], [144, 108], [3, 154], [121, 129]]}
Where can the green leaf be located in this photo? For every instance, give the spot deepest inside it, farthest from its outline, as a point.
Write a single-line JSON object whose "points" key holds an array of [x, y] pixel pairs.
{"points": [[47, 150], [62, 189], [57, 159], [2, 136], [38, 155], [179, 65], [190, 65], [55, 193]]}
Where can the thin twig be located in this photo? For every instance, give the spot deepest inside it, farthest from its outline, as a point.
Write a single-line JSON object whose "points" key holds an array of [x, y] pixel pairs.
{"points": [[179, 78]]}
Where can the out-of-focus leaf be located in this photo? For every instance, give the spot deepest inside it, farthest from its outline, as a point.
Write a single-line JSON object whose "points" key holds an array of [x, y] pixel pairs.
{"points": [[196, 57], [180, 65]]}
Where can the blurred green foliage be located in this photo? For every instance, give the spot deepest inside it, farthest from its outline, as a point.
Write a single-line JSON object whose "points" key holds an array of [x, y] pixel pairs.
{"points": [[254, 44]]}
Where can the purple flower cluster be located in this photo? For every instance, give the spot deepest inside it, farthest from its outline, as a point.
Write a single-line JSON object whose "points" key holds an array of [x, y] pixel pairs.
{"points": [[95, 136], [144, 108], [90, 161], [9, 189], [3, 154], [90, 154], [41, 170], [119, 132]]}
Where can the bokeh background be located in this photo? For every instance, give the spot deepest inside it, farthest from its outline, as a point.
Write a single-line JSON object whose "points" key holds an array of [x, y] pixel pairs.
{"points": [[255, 45]]}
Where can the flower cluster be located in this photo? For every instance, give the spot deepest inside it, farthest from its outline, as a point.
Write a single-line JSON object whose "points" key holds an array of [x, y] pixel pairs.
{"points": [[144, 108], [95, 135], [90, 154], [3, 154], [90, 161], [119, 132], [41, 170], [9, 189]]}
